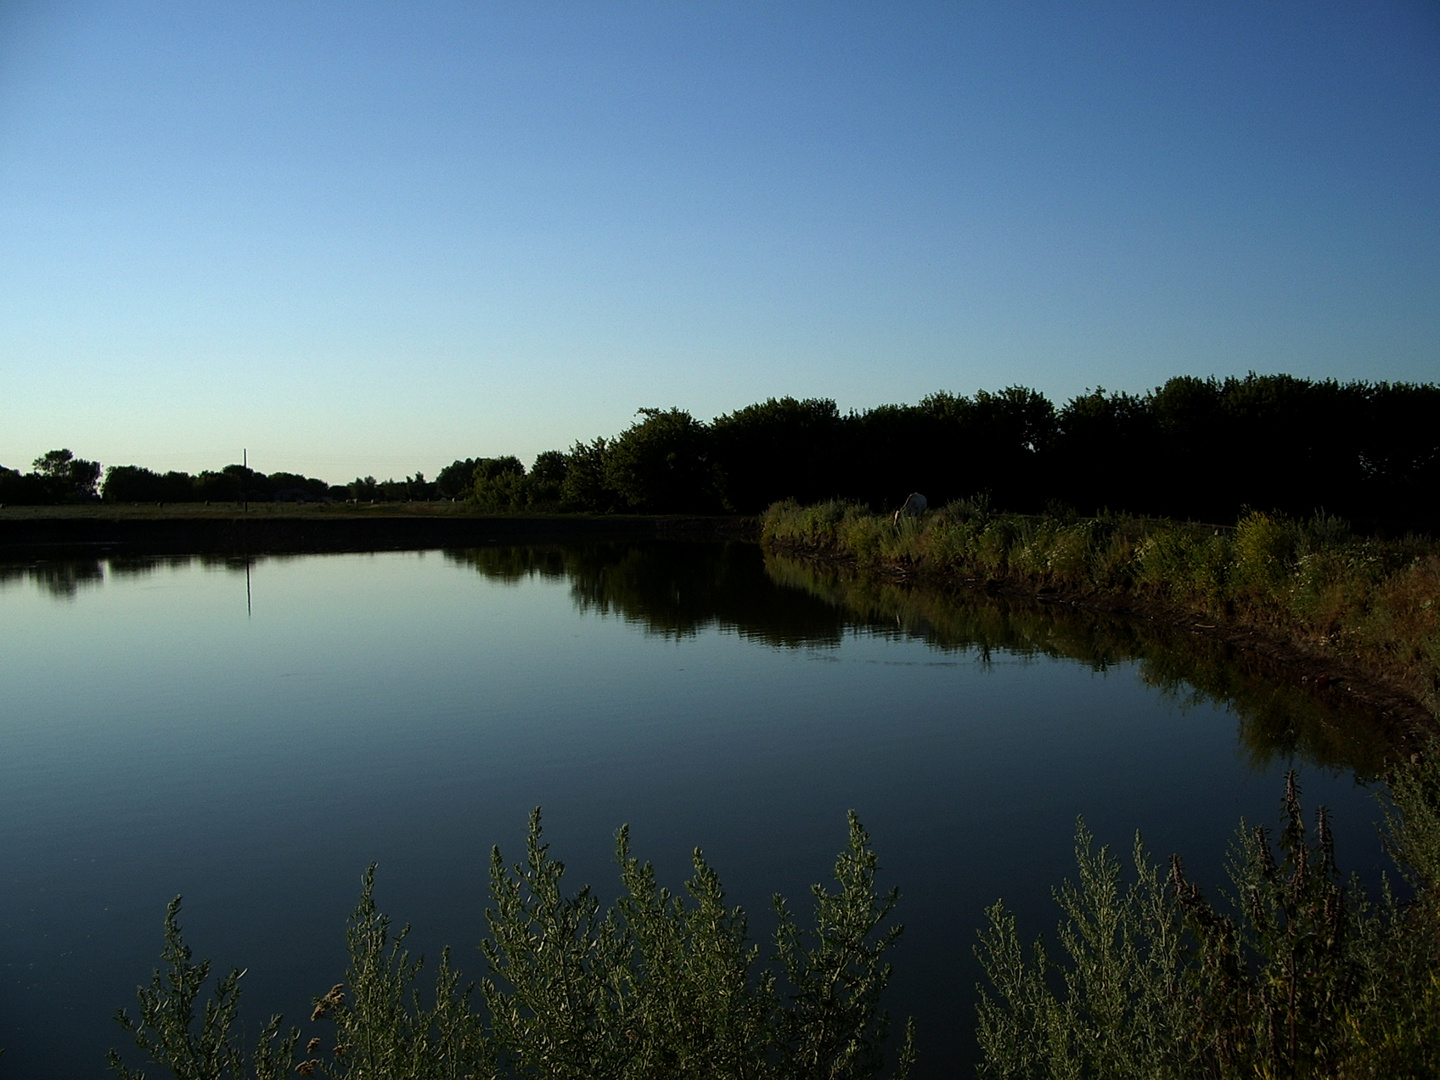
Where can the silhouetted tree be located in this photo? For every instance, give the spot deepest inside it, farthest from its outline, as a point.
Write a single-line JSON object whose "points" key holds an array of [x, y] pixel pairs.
{"points": [[131, 483], [547, 479], [292, 487], [67, 478], [662, 464], [1203, 449], [17, 489], [1104, 452], [780, 449], [363, 488]]}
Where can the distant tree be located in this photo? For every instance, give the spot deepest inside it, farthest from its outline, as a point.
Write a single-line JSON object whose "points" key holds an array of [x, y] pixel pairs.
{"points": [[292, 487], [67, 478], [1192, 448], [586, 486], [1398, 440], [364, 489], [217, 486], [21, 490], [53, 465], [1010, 431], [418, 489], [251, 486], [949, 446], [456, 479], [499, 485], [1104, 455], [547, 479], [1016, 417], [393, 490], [131, 483]]}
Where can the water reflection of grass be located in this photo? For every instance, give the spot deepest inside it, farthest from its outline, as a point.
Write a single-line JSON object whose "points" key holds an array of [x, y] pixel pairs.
{"points": [[1280, 717], [1364, 601]]}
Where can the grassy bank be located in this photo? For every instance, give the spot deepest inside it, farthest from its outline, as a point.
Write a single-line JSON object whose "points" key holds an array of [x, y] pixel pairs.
{"points": [[1370, 603]]}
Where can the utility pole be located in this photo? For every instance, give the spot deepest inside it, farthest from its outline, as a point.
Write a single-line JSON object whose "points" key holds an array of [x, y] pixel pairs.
{"points": [[244, 471]]}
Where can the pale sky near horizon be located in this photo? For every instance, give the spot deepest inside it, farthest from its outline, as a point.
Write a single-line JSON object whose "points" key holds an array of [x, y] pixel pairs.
{"points": [[370, 238]]}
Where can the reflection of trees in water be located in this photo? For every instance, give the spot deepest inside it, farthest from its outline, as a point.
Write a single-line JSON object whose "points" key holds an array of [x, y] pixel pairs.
{"points": [[64, 578], [60, 579], [512, 565], [145, 565], [675, 590]]}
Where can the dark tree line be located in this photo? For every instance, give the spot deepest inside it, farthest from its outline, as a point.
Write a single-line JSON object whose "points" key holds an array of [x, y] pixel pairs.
{"points": [[59, 477], [1202, 449], [233, 483], [56, 477]]}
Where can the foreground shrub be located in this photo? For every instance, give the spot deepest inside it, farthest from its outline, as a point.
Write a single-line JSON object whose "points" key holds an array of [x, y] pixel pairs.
{"points": [[1299, 975], [656, 986]]}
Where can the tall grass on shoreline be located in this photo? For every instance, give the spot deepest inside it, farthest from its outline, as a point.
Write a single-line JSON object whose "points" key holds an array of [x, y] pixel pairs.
{"points": [[1367, 601]]}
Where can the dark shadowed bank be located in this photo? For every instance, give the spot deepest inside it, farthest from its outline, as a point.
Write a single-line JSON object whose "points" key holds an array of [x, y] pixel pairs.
{"points": [[82, 532]]}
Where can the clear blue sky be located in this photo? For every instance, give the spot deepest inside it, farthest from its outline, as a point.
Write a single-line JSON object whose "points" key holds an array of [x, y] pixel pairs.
{"points": [[370, 238]]}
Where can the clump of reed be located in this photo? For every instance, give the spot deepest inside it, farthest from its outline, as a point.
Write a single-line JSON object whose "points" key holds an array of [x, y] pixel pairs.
{"points": [[1365, 600]]}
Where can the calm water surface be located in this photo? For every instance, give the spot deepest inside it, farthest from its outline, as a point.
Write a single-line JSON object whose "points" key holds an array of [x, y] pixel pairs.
{"points": [[161, 732]]}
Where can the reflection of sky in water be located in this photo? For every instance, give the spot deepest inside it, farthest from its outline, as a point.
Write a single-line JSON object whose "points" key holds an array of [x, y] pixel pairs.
{"points": [[405, 709]]}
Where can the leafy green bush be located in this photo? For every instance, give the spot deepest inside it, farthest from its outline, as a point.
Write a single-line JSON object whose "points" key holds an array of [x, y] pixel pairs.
{"points": [[656, 986], [166, 1028], [1265, 551]]}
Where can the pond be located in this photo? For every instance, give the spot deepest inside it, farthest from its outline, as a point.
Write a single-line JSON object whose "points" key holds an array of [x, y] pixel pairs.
{"points": [[253, 733]]}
